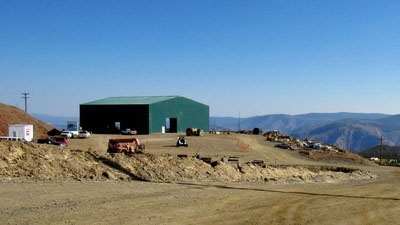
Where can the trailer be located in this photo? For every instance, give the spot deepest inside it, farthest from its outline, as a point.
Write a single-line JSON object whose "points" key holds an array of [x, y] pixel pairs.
{"points": [[24, 131]]}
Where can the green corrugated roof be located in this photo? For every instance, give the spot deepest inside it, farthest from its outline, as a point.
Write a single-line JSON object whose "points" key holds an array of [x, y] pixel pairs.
{"points": [[136, 100]]}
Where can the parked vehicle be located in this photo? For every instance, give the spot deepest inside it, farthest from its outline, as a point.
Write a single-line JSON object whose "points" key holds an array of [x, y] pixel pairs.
{"points": [[44, 141], [128, 131], [283, 146], [74, 133], [66, 134], [84, 134], [57, 140], [181, 141], [126, 146]]}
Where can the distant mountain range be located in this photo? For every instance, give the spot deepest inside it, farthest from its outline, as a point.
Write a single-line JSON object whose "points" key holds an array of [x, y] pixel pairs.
{"points": [[350, 131], [59, 122]]}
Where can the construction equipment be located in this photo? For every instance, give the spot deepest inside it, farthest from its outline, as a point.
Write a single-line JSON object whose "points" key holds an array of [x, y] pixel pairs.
{"points": [[194, 132], [126, 146], [181, 141]]}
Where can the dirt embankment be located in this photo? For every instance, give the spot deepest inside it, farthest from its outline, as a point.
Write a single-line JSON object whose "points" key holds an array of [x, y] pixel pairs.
{"points": [[12, 115], [44, 162]]}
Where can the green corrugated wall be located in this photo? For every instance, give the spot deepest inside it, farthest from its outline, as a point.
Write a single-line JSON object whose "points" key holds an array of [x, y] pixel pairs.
{"points": [[188, 112]]}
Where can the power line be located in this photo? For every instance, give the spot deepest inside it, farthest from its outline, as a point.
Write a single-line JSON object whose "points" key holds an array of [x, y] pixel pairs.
{"points": [[10, 84], [26, 100]]}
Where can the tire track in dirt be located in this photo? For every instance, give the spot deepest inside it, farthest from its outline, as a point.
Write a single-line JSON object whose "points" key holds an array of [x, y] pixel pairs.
{"points": [[341, 204], [74, 204], [282, 213]]}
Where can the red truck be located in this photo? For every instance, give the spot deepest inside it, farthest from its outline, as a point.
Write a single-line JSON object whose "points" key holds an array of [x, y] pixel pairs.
{"points": [[57, 140], [126, 146]]}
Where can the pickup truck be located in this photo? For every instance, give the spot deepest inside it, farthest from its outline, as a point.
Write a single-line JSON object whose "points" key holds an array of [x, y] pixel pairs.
{"points": [[128, 131], [57, 140], [70, 134], [74, 133], [84, 134]]}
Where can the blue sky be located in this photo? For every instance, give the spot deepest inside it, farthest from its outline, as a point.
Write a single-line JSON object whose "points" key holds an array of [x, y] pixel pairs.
{"points": [[252, 57]]}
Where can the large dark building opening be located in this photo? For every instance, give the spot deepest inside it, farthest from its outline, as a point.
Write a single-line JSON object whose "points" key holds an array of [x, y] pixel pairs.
{"points": [[105, 119]]}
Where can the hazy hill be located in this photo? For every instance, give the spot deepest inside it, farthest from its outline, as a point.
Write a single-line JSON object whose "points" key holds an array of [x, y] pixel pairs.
{"points": [[392, 152], [357, 135], [224, 123], [289, 123], [348, 134], [59, 122], [351, 131], [12, 115]]}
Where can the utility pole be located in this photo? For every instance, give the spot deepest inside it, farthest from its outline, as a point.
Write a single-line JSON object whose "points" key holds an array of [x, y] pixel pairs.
{"points": [[380, 150], [26, 100]]}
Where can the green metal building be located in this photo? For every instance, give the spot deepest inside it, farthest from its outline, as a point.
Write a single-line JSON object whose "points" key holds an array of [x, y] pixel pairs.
{"points": [[147, 115]]}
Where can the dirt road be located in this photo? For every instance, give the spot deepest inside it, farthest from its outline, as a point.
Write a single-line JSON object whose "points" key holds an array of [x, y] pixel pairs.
{"points": [[30, 202], [375, 201]]}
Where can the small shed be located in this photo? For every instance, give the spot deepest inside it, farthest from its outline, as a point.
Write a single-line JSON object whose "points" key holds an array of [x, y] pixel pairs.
{"points": [[24, 131]]}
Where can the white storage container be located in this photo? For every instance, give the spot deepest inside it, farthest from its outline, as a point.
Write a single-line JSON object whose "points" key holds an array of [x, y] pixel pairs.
{"points": [[24, 131]]}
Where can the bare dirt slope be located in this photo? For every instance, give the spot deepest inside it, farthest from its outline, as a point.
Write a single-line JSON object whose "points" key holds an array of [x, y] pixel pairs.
{"points": [[12, 115]]}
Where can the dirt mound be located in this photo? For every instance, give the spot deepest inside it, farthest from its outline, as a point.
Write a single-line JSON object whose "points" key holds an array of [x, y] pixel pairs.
{"points": [[171, 169], [19, 160], [13, 115], [330, 156]]}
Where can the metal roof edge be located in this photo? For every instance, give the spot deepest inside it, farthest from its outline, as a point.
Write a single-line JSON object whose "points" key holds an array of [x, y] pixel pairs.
{"points": [[194, 101], [103, 99], [88, 103]]}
